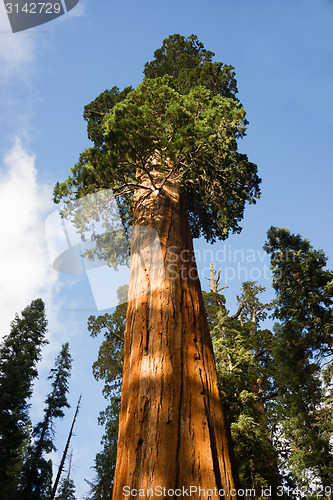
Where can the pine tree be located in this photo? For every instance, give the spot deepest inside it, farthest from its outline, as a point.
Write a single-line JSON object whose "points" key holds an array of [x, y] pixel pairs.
{"points": [[109, 367], [66, 489], [64, 454], [170, 156], [243, 354], [37, 481], [304, 289], [19, 353], [101, 487]]}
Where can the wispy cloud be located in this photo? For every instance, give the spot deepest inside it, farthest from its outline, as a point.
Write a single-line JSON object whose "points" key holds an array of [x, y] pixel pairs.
{"points": [[17, 51], [25, 270]]}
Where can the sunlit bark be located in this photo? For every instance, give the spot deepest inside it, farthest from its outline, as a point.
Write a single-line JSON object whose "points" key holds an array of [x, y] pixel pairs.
{"points": [[172, 431]]}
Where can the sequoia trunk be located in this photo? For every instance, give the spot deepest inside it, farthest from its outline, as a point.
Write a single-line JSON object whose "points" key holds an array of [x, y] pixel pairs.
{"points": [[172, 430]]}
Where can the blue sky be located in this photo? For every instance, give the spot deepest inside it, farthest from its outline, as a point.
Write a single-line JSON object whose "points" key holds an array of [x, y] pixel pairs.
{"points": [[282, 52]]}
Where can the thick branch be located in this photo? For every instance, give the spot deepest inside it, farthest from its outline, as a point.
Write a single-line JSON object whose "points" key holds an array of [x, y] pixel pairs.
{"points": [[114, 333], [239, 310], [269, 397]]}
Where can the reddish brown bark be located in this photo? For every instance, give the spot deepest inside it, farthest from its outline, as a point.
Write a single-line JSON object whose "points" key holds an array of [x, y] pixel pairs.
{"points": [[172, 430]]}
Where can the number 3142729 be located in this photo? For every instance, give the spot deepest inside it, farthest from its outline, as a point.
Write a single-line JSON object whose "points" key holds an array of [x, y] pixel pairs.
{"points": [[321, 491], [33, 8]]}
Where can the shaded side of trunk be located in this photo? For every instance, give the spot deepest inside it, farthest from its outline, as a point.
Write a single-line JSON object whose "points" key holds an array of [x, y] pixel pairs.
{"points": [[172, 430]]}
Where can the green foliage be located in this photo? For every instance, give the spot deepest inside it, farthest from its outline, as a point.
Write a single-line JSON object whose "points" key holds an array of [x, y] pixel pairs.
{"points": [[37, 471], [196, 133], [190, 64], [253, 310], [214, 304], [108, 367], [56, 400], [105, 460], [244, 363], [25, 472], [192, 134], [66, 490], [109, 364], [97, 109], [304, 289], [19, 353], [303, 343], [59, 375]]}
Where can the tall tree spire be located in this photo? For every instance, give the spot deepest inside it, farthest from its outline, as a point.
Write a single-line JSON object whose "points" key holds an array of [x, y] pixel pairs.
{"points": [[37, 479], [19, 353]]}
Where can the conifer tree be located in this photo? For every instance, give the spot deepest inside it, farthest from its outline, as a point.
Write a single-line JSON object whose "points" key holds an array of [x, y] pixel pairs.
{"points": [[170, 155], [245, 366], [66, 490], [109, 367], [37, 482], [304, 289], [64, 454], [19, 353]]}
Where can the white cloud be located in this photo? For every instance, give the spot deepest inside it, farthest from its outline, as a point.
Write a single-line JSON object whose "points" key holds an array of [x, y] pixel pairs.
{"points": [[25, 269], [17, 51]]}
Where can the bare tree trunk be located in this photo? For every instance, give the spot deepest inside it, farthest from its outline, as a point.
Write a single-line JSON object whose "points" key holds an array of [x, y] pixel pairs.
{"points": [[64, 455], [172, 430]]}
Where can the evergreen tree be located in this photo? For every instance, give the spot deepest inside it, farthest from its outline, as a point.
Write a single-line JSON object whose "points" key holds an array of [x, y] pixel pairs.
{"points": [[109, 367], [303, 347], [304, 289], [243, 354], [190, 64], [66, 490], [171, 157], [37, 480], [101, 487], [19, 353], [64, 455]]}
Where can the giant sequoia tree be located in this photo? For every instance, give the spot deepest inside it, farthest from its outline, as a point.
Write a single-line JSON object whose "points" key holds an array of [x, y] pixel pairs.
{"points": [[168, 150]]}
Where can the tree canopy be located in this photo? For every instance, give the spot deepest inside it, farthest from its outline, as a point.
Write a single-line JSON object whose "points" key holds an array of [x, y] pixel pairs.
{"points": [[304, 287], [166, 131], [190, 64], [303, 353]]}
